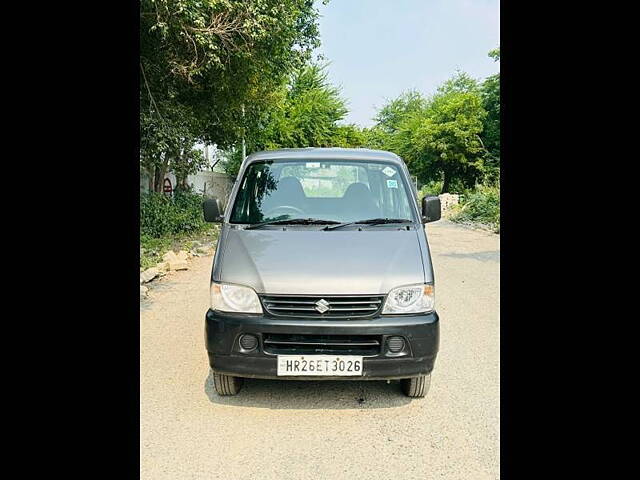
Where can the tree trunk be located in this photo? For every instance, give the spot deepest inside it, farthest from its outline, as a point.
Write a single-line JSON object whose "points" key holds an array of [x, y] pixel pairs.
{"points": [[160, 172], [446, 182], [157, 180]]}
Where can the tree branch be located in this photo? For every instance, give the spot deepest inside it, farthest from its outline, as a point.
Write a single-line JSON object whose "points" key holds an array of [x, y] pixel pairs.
{"points": [[152, 100]]}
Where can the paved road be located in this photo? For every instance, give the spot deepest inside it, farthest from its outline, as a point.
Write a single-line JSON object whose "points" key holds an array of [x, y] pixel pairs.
{"points": [[327, 430]]}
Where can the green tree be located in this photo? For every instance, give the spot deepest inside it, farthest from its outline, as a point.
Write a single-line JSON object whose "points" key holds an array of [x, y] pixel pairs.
{"points": [[306, 114], [390, 117], [166, 143], [208, 59], [438, 137], [460, 82], [490, 91], [392, 114], [349, 136], [231, 161]]}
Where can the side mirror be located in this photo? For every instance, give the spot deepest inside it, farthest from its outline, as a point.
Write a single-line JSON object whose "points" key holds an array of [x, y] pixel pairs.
{"points": [[430, 208], [211, 210]]}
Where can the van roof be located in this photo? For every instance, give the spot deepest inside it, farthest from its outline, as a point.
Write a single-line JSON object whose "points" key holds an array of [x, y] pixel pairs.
{"points": [[355, 154]]}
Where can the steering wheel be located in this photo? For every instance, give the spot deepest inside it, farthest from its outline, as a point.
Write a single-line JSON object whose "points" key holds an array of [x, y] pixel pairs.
{"points": [[283, 207]]}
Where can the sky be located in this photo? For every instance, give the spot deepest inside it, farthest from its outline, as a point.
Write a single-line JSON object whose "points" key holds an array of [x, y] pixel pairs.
{"points": [[379, 48]]}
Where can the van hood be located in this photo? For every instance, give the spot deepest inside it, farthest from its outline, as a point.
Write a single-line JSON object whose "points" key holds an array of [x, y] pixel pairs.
{"points": [[312, 262]]}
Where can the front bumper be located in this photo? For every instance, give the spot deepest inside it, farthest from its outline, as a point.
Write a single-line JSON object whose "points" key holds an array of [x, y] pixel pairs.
{"points": [[222, 332]]}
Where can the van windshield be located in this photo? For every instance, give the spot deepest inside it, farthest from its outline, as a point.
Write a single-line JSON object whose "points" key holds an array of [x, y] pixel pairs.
{"points": [[336, 191]]}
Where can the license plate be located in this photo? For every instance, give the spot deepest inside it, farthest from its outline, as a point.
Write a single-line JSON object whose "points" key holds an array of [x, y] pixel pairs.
{"points": [[319, 365]]}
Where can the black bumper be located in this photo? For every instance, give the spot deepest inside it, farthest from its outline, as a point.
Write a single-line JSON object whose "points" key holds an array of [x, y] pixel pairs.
{"points": [[421, 334]]}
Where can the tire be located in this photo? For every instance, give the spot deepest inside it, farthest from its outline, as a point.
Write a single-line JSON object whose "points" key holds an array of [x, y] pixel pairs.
{"points": [[416, 387], [226, 384]]}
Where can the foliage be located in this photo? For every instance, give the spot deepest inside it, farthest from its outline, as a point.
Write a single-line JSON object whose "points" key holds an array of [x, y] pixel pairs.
{"points": [[490, 91], [167, 144], [306, 115], [480, 205], [231, 161], [349, 136], [209, 70], [197, 39], [434, 187], [438, 137], [452, 137], [162, 215], [460, 82], [375, 137], [396, 111]]}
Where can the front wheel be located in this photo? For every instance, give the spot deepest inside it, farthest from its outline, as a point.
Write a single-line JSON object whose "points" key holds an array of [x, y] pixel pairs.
{"points": [[226, 384], [416, 387]]}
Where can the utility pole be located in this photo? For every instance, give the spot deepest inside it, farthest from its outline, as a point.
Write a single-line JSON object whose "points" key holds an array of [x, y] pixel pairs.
{"points": [[244, 147]]}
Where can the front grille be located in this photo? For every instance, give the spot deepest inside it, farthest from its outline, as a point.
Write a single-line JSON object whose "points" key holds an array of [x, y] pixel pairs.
{"points": [[339, 306], [282, 344]]}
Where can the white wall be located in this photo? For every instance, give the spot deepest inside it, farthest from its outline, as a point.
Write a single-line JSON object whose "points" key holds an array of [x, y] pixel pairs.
{"points": [[211, 184]]}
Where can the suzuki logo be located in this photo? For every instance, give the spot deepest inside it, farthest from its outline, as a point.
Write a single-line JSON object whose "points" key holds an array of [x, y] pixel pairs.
{"points": [[322, 306]]}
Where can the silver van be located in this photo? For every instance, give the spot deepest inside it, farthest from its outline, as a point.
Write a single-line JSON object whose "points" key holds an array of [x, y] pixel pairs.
{"points": [[322, 272]]}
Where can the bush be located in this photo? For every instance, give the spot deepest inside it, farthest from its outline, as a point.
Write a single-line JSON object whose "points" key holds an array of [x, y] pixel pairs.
{"points": [[162, 215], [434, 187], [481, 205]]}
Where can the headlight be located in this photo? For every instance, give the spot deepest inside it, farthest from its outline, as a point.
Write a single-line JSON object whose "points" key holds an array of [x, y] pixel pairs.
{"points": [[234, 298], [410, 299]]}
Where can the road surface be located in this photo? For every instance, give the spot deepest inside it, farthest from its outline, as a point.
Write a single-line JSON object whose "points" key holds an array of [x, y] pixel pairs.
{"points": [[327, 430]]}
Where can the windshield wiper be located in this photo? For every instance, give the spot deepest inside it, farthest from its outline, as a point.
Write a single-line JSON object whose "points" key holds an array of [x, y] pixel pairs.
{"points": [[293, 221], [370, 221]]}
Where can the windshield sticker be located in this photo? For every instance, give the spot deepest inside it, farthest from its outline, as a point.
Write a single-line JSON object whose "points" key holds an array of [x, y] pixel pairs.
{"points": [[389, 172], [392, 184], [313, 165]]}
